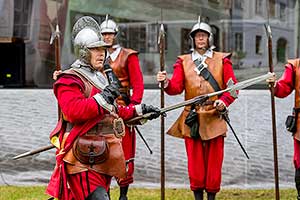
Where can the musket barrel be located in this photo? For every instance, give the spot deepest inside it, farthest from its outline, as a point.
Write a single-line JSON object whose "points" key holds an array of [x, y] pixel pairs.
{"points": [[232, 89], [29, 153]]}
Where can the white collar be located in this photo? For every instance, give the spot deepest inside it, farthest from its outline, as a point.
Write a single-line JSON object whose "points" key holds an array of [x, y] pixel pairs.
{"points": [[196, 55], [113, 56]]}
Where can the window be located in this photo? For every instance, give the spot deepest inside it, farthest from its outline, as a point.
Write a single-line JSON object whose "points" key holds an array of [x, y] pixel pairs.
{"points": [[272, 8], [136, 35], [22, 18], [239, 41], [185, 41], [258, 44], [259, 7], [282, 11], [238, 4], [214, 1]]}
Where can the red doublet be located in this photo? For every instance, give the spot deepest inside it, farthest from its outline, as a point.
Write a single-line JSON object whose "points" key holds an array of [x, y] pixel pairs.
{"points": [[205, 158], [135, 77], [284, 87], [84, 113]]}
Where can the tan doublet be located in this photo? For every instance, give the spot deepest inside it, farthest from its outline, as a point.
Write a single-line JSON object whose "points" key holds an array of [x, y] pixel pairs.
{"points": [[211, 123]]}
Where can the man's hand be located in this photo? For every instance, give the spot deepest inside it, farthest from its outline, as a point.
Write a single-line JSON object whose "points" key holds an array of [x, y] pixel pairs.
{"points": [[110, 93], [56, 74], [220, 105], [272, 80], [161, 76], [151, 109]]}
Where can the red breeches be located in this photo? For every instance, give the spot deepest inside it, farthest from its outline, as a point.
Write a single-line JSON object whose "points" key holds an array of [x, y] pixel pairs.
{"points": [[128, 144], [205, 160], [296, 154], [81, 184]]}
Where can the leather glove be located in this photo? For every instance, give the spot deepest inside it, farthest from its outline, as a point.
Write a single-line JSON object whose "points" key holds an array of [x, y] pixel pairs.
{"points": [[155, 112], [110, 93]]}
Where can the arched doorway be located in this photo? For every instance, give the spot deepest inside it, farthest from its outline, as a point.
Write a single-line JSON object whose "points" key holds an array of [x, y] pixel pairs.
{"points": [[281, 50]]}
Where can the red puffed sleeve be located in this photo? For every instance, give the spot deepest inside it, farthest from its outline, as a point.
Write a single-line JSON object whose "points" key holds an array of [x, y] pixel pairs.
{"points": [[285, 85], [135, 79], [127, 112], [176, 83], [227, 75], [74, 105]]}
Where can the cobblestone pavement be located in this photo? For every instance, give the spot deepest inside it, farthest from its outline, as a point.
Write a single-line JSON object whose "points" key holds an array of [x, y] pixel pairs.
{"points": [[28, 115]]}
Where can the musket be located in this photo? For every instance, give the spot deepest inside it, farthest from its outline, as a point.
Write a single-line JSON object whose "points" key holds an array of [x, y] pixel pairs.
{"points": [[269, 34], [231, 88], [33, 152], [161, 44]]}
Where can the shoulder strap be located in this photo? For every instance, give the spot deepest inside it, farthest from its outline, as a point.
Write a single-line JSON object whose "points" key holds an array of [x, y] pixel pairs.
{"points": [[205, 73]]}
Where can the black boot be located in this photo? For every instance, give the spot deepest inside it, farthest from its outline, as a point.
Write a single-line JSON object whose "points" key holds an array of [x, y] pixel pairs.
{"points": [[123, 193], [198, 194], [297, 182], [211, 196]]}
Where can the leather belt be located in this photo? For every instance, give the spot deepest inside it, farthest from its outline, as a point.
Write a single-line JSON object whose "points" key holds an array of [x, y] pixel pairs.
{"points": [[99, 128]]}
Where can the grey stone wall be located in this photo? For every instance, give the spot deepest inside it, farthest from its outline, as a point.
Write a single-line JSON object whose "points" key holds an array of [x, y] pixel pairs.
{"points": [[28, 115]]}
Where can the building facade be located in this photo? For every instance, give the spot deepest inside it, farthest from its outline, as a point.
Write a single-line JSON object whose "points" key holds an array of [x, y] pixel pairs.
{"points": [[238, 27]]}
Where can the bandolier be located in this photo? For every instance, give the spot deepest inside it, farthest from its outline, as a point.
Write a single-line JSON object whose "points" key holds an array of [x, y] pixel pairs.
{"points": [[119, 67], [211, 124]]}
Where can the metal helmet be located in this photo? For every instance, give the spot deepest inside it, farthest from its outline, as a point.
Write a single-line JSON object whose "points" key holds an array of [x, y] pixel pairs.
{"points": [[85, 35], [202, 26], [109, 26]]}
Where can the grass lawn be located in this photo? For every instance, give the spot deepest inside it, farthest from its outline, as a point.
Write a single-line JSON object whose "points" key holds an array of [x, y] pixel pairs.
{"points": [[37, 193]]}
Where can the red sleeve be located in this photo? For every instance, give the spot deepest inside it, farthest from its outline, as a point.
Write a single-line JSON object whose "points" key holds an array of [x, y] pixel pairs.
{"points": [[135, 79], [126, 112], [285, 85], [227, 75], [74, 105], [176, 83]]}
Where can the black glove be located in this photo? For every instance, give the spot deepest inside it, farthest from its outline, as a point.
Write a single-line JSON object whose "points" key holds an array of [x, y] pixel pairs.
{"points": [[110, 93], [155, 112]]}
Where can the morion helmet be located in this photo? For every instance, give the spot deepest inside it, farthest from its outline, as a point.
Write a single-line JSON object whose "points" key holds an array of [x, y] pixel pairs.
{"points": [[109, 26], [202, 26], [86, 35]]}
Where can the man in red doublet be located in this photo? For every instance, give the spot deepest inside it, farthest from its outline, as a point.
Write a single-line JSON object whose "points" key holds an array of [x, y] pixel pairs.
{"points": [[125, 64], [89, 133], [201, 72], [290, 81]]}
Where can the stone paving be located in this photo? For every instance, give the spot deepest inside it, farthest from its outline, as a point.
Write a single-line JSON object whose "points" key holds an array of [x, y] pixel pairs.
{"points": [[28, 115]]}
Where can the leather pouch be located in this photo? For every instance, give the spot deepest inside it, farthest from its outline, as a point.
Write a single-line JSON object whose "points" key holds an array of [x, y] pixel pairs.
{"points": [[91, 149]]}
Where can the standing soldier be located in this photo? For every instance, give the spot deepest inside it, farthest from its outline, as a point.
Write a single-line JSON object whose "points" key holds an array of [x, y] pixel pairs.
{"points": [[88, 134], [201, 72], [290, 81], [125, 64]]}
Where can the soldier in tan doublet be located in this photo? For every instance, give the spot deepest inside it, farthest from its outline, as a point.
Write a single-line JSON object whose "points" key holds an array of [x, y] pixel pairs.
{"points": [[290, 81], [205, 143]]}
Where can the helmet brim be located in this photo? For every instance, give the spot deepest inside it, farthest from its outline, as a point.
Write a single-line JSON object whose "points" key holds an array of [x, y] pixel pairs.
{"points": [[192, 34], [100, 43]]}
